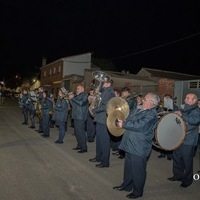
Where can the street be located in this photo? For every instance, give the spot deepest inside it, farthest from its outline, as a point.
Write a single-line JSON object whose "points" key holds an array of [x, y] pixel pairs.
{"points": [[35, 168]]}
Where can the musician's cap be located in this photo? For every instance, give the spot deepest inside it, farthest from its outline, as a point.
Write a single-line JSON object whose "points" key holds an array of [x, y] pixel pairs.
{"points": [[109, 81], [63, 90]]}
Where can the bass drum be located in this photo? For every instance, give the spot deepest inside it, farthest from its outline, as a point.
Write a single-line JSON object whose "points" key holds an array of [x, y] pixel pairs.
{"points": [[170, 132]]}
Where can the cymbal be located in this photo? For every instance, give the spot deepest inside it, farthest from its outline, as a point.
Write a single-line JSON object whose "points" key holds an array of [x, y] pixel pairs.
{"points": [[111, 119], [118, 103]]}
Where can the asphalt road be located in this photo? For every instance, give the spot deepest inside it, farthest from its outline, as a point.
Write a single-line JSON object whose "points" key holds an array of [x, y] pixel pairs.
{"points": [[35, 168]]}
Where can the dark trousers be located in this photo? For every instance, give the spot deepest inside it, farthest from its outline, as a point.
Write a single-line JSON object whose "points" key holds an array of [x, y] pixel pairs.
{"points": [[40, 124], [45, 124], [134, 173], [80, 133], [90, 127], [61, 130], [114, 141], [183, 163], [32, 117], [25, 114], [102, 144]]}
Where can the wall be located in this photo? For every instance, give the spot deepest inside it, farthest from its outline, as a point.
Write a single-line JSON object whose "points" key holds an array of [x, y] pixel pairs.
{"points": [[184, 87], [166, 86], [76, 64]]}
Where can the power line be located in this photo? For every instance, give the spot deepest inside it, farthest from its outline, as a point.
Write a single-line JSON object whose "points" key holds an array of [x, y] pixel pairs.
{"points": [[150, 49]]}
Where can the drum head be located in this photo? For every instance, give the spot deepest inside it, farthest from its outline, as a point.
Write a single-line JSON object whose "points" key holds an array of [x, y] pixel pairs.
{"points": [[170, 132]]}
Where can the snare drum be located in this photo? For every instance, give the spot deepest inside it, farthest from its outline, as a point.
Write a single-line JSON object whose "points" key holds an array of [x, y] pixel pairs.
{"points": [[170, 132]]}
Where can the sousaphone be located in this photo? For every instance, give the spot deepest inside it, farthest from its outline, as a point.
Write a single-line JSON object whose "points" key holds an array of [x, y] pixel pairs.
{"points": [[117, 108]]}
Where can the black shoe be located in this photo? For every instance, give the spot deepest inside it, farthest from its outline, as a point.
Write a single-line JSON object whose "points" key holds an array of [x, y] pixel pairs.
{"points": [[31, 126], [117, 187], [185, 185], [94, 160], [132, 196], [120, 188], [101, 166], [24, 123], [76, 148], [173, 179], [161, 156], [121, 157], [116, 153], [45, 136], [90, 141], [40, 132], [82, 151], [58, 142], [114, 149]]}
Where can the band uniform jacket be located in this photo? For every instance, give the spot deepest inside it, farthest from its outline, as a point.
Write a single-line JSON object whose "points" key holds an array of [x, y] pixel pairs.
{"points": [[46, 106], [191, 116], [23, 102], [139, 132], [100, 112], [80, 105], [60, 110]]}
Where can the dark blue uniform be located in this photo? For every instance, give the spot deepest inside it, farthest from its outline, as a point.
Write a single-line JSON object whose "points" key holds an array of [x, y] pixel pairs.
{"points": [[137, 143], [102, 134], [46, 107], [79, 114], [24, 104], [60, 117], [183, 156]]}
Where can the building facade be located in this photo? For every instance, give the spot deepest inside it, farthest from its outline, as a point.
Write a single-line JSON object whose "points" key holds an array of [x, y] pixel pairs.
{"points": [[62, 72]]}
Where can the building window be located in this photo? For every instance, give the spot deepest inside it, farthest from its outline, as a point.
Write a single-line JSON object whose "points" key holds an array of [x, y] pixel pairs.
{"points": [[54, 70], [67, 84], [194, 84], [50, 72]]}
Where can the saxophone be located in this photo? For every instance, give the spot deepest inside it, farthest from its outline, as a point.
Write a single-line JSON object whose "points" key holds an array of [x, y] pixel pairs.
{"points": [[38, 110]]}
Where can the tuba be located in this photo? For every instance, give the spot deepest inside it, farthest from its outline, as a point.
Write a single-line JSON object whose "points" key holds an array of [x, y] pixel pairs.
{"points": [[101, 77], [117, 108]]}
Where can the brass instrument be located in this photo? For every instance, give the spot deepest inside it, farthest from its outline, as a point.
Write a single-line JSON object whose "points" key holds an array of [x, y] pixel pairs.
{"points": [[38, 110], [101, 77], [117, 108], [50, 112]]}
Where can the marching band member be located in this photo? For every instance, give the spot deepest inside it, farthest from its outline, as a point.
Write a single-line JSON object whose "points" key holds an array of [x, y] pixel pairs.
{"points": [[184, 154], [79, 104], [60, 114], [23, 103], [102, 134], [32, 108], [38, 109], [46, 107], [137, 143], [52, 99], [126, 94], [90, 124]]}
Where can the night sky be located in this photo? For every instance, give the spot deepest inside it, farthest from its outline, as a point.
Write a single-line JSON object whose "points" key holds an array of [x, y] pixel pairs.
{"points": [[132, 34]]}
